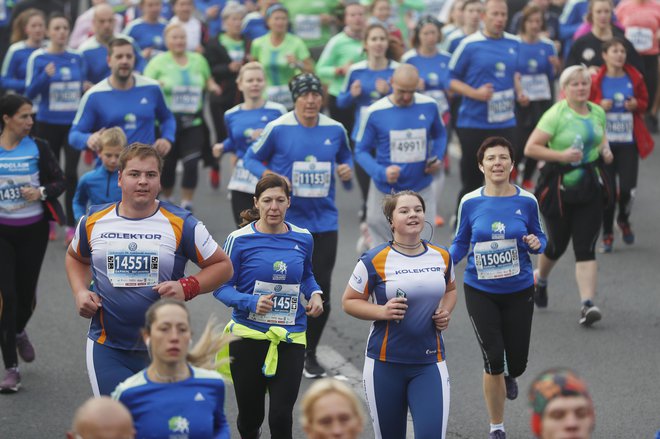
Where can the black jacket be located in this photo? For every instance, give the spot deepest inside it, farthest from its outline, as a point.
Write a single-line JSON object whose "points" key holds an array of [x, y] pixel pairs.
{"points": [[52, 179]]}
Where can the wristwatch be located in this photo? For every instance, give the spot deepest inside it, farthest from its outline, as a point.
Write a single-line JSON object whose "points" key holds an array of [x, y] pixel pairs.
{"points": [[42, 191]]}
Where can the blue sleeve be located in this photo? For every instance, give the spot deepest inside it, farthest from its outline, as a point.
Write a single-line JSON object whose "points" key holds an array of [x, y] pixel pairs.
{"points": [[229, 295], [570, 23], [38, 83], [82, 129], [228, 143], [221, 424], [309, 284], [439, 135], [81, 198], [140, 62], [366, 140], [165, 118], [344, 98], [534, 227], [461, 244], [260, 151], [188, 239], [9, 80], [344, 155], [83, 243], [460, 62]]}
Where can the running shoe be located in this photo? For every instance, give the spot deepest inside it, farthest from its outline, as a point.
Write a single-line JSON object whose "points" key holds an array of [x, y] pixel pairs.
{"points": [[52, 231], [608, 241], [214, 178], [312, 367], [364, 241], [12, 381], [589, 315], [626, 231], [439, 221], [24, 347], [528, 185], [540, 292], [88, 157], [70, 232], [497, 434], [511, 387]]}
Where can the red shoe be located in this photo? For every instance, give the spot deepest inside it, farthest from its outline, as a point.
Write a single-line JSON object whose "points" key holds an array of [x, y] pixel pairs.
{"points": [[439, 221], [88, 157], [214, 178], [528, 185]]}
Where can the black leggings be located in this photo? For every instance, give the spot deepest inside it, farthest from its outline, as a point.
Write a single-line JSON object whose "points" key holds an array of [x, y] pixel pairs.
{"points": [[323, 262], [188, 148], [503, 326], [651, 77], [251, 385], [625, 166], [580, 222], [471, 139], [239, 202], [58, 137], [22, 251]]}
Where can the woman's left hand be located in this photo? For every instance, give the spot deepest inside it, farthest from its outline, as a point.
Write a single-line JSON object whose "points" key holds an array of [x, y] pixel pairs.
{"points": [[441, 319], [532, 241], [314, 307], [608, 157], [30, 193]]}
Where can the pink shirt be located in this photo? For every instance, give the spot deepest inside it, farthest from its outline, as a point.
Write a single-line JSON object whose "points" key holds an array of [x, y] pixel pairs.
{"points": [[641, 22]]}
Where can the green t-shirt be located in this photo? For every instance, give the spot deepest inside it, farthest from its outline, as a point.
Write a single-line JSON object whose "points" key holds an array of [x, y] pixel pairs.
{"points": [[340, 49], [183, 86], [305, 18], [235, 48], [277, 67], [563, 124]]}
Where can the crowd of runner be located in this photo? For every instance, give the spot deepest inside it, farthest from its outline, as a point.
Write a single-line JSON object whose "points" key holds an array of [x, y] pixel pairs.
{"points": [[304, 96]]}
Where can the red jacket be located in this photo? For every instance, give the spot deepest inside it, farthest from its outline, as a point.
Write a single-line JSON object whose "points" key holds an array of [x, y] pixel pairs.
{"points": [[641, 135]]}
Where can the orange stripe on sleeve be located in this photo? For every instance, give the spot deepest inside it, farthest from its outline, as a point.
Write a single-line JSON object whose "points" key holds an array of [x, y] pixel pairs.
{"points": [[177, 225], [383, 347], [92, 219], [379, 262]]}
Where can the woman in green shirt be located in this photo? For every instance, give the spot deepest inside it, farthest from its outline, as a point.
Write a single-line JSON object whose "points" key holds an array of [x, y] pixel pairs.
{"points": [[282, 54], [184, 76], [574, 132]]}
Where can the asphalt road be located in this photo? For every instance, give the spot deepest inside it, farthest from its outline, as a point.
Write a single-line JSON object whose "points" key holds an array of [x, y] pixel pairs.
{"points": [[619, 357]]}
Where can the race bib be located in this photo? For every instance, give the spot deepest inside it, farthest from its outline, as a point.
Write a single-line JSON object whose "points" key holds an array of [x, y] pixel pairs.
{"points": [[64, 96], [408, 146], [11, 198], [280, 94], [186, 98], [620, 127], [640, 37], [311, 179], [500, 106], [308, 27], [433, 7], [285, 303], [242, 180], [236, 54], [536, 87], [132, 263], [496, 259], [440, 97]]}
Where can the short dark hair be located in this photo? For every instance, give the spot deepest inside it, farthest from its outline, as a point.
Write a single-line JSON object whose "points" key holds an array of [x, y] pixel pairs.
{"points": [[118, 42], [266, 182], [492, 142], [427, 19], [613, 42], [55, 15], [389, 202], [10, 104], [141, 151], [526, 13]]}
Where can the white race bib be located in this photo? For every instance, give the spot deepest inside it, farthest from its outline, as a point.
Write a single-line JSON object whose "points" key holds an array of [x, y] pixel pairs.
{"points": [[280, 94], [433, 7], [132, 263], [11, 198], [311, 179], [408, 146], [186, 99], [620, 127], [64, 96], [285, 303], [536, 87], [440, 97], [500, 106], [640, 37], [496, 259], [236, 54], [308, 27], [242, 180]]}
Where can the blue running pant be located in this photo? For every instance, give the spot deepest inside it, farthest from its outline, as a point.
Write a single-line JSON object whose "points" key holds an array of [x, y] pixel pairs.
{"points": [[107, 367]]}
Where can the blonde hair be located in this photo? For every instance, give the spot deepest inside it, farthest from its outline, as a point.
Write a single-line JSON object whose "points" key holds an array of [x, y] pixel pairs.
{"points": [[18, 29], [113, 137], [252, 65], [571, 72], [170, 27], [325, 387]]}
